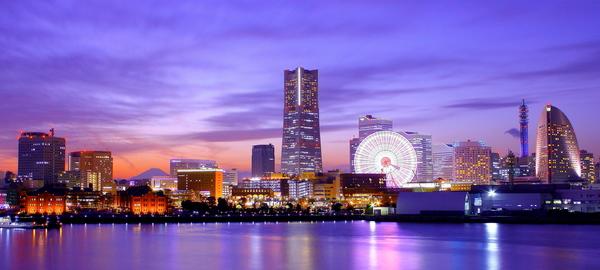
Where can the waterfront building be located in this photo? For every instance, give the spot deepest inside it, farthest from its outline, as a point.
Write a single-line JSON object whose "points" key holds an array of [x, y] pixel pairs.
{"points": [[95, 168], [472, 162], [588, 168], [324, 190], [577, 200], [230, 177], [557, 151], [362, 184], [499, 199], [277, 182], [298, 189], [140, 200], [367, 125], [45, 201], [163, 183], [149, 203], [423, 148], [207, 181], [279, 186], [255, 193], [364, 190], [328, 186], [443, 161], [41, 156], [176, 164], [301, 143], [86, 199], [176, 197], [419, 203], [263, 159]]}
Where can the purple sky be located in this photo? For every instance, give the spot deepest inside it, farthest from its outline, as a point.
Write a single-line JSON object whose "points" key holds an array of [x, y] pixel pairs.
{"points": [[203, 79]]}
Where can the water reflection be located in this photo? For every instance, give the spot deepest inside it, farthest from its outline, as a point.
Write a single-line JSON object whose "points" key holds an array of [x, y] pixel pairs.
{"points": [[491, 231], [351, 245]]}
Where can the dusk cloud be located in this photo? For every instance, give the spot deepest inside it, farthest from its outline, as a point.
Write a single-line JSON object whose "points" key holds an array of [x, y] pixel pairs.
{"points": [[513, 132], [205, 79]]}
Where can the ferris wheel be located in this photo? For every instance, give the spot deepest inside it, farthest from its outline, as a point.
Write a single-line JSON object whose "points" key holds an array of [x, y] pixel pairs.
{"points": [[389, 153]]}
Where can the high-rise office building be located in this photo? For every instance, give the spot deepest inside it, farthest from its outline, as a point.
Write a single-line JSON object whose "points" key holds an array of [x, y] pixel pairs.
{"points": [[94, 168], [597, 170], [176, 164], [263, 159], [472, 162], [557, 151], [41, 156], [367, 125], [509, 167], [207, 181], [354, 142], [495, 166], [301, 145], [422, 145], [230, 177], [524, 129], [588, 168], [443, 161]]}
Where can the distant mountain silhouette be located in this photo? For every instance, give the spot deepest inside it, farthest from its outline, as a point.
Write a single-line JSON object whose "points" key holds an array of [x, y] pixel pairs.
{"points": [[149, 173]]}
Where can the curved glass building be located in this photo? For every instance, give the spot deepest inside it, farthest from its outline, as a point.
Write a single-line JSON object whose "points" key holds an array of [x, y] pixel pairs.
{"points": [[557, 153]]}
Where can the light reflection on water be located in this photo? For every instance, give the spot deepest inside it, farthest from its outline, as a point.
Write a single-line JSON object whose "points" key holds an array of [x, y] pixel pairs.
{"points": [[340, 245]]}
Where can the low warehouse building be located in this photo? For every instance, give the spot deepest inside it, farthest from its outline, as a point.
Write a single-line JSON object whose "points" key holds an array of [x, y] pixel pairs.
{"points": [[415, 203]]}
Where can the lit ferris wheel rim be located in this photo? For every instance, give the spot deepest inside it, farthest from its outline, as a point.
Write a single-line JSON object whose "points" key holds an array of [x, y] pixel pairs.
{"points": [[387, 152]]}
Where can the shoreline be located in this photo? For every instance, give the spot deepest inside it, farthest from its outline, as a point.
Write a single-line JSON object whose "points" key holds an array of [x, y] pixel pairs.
{"points": [[565, 219]]}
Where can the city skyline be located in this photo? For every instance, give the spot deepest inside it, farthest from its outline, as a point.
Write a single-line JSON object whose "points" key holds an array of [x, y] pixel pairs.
{"points": [[177, 98]]}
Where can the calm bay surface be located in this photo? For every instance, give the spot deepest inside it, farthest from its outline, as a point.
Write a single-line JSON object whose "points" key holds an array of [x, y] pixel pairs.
{"points": [[330, 245]]}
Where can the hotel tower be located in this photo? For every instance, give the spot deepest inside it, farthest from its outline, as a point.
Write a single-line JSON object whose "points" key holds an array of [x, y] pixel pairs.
{"points": [[301, 146], [557, 153]]}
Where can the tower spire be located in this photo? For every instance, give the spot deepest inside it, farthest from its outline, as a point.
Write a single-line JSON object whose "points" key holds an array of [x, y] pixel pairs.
{"points": [[524, 128]]}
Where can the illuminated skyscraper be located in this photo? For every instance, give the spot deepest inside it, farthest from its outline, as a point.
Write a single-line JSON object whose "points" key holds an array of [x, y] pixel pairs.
{"points": [[557, 152], [524, 132], [95, 168], [443, 161], [41, 156], [422, 145], [367, 125], [263, 159], [230, 177], [472, 162], [597, 169], [177, 164], [495, 166], [301, 146], [206, 181], [588, 168]]}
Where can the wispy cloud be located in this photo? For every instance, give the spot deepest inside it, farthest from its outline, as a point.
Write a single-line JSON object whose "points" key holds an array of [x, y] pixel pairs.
{"points": [[483, 104], [206, 78], [513, 132]]}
